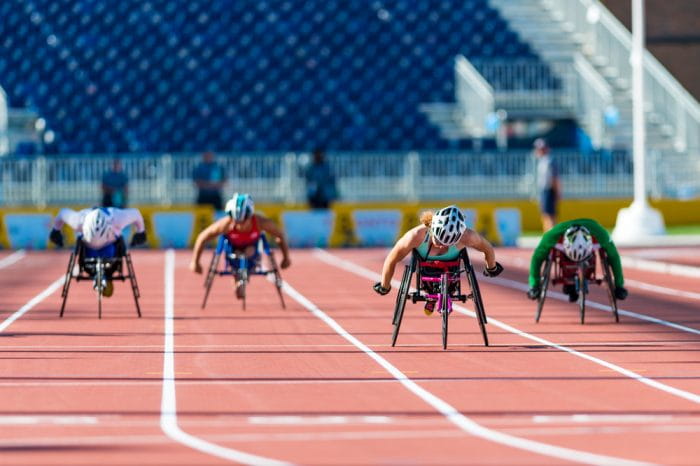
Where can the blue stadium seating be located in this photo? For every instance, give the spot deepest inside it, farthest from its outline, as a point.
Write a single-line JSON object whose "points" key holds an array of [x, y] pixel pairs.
{"points": [[248, 75]]}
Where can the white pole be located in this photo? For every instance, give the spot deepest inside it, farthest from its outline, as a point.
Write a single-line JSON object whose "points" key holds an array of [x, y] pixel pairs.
{"points": [[638, 119], [639, 223]]}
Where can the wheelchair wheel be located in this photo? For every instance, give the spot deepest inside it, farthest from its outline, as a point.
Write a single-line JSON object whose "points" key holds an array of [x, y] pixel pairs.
{"points": [[544, 284], [66, 282], [278, 279], [210, 277], [134, 283], [401, 302], [478, 302], [99, 275], [582, 288], [444, 306], [241, 282], [607, 276]]}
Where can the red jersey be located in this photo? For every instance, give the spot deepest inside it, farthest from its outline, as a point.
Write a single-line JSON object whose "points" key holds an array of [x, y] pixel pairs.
{"points": [[241, 239]]}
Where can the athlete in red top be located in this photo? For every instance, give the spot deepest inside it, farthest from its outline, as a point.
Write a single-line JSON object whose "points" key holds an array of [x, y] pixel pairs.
{"points": [[242, 227]]}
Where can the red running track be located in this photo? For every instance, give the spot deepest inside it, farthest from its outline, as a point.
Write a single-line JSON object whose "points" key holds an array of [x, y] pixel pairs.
{"points": [[270, 384]]}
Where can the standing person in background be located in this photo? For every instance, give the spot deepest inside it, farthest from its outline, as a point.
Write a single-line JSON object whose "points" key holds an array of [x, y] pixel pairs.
{"points": [[548, 186], [209, 177], [320, 182], [115, 186]]}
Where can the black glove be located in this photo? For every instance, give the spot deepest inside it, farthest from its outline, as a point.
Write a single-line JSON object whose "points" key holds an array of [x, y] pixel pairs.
{"points": [[138, 238], [380, 289], [620, 293], [56, 237], [534, 292], [495, 271]]}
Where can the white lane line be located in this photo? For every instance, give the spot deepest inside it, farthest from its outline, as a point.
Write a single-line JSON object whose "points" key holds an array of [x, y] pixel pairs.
{"points": [[20, 420], [453, 415], [661, 267], [695, 398], [662, 289], [12, 258], [32, 302], [168, 407], [603, 418], [318, 420], [603, 307]]}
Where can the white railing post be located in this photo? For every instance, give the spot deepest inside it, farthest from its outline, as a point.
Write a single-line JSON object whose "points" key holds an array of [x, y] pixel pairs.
{"points": [[165, 179], [474, 97], [39, 179], [412, 177], [289, 180]]}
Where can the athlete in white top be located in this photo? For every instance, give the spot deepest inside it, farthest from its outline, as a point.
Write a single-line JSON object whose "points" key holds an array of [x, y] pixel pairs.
{"points": [[99, 226]]}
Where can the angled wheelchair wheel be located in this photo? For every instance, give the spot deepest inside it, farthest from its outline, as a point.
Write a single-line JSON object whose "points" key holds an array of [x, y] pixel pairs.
{"points": [[211, 273], [582, 288], [240, 277], [544, 284], [444, 306], [478, 302], [609, 284], [401, 302], [99, 276], [133, 282], [278, 278], [68, 279]]}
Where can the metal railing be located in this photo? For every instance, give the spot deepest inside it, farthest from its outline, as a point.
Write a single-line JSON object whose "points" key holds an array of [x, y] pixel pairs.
{"points": [[606, 41], [279, 178], [475, 97]]}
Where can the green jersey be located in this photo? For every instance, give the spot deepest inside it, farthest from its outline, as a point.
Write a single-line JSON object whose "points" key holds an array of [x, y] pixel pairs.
{"points": [[551, 238]]}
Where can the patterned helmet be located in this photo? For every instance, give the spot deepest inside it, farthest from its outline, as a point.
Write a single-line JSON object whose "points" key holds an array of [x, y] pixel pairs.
{"points": [[97, 228], [240, 207], [448, 225], [578, 243]]}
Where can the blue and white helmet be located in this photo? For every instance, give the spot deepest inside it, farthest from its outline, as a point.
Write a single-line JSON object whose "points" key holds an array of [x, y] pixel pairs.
{"points": [[240, 207], [578, 243], [448, 225], [97, 228]]}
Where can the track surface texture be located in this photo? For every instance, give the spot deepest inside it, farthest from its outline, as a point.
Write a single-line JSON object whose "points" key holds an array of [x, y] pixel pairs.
{"points": [[319, 383]]}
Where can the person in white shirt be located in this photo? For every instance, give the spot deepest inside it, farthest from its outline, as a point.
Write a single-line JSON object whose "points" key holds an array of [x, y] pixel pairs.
{"points": [[100, 229]]}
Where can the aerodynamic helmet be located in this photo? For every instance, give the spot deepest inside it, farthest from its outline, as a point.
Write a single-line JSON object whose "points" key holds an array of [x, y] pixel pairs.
{"points": [[578, 243], [97, 228], [240, 207], [448, 225]]}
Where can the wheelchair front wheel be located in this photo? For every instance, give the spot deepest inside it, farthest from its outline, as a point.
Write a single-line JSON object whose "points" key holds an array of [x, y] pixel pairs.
{"points": [[607, 276], [544, 284], [400, 303], [478, 303], [582, 288], [444, 306]]}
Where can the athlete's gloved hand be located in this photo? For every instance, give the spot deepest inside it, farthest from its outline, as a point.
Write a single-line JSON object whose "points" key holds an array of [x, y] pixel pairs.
{"points": [[495, 271], [534, 292], [56, 237], [620, 293], [138, 238], [380, 289]]}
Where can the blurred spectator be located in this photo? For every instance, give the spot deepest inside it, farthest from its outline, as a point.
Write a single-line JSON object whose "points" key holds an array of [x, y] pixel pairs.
{"points": [[209, 177], [115, 186], [320, 182], [548, 186]]}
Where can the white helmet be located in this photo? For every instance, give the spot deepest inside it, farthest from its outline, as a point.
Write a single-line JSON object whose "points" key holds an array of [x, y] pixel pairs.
{"points": [[97, 228], [240, 207], [578, 243], [448, 225]]}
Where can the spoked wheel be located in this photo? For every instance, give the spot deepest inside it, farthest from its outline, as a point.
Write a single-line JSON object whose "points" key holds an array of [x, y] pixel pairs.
{"points": [[544, 284], [278, 279], [66, 283], [210, 277], [478, 303], [99, 276], [582, 288], [241, 278], [445, 306], [401, 303], [607, 276], [134, 283]]}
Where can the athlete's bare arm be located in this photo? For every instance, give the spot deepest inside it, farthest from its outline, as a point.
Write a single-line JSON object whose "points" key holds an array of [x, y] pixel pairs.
{"points": [[212, 231], [472, 239], [412, 239], [270, 227]]}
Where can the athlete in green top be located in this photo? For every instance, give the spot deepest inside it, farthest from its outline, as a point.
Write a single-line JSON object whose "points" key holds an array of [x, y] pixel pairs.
{"points": [[577, 245], [440, 237]]}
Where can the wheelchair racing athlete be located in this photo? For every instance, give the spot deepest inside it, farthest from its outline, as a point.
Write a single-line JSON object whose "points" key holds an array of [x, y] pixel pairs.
{"points": [[577, 244], [242, 227], [100, 230], [443, 234]]}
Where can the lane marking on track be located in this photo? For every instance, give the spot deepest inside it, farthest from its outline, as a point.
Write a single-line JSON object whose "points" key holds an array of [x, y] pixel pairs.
{"points": [[603, 418], [453, 415], [667, 268], [31, 303], [318, 420], [168, 407], [57, 420], [693, 397], [508, 283], [12, 258]]}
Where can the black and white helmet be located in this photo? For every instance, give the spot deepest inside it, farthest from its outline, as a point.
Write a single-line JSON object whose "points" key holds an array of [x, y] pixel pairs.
{"points": [[578, 243], [448, 225], [240, 207]]}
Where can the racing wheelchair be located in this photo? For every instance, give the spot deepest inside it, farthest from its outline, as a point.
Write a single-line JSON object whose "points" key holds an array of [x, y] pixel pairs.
{"points": [[559, 269], [439, 280], [99, 266], [240, 267]]}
